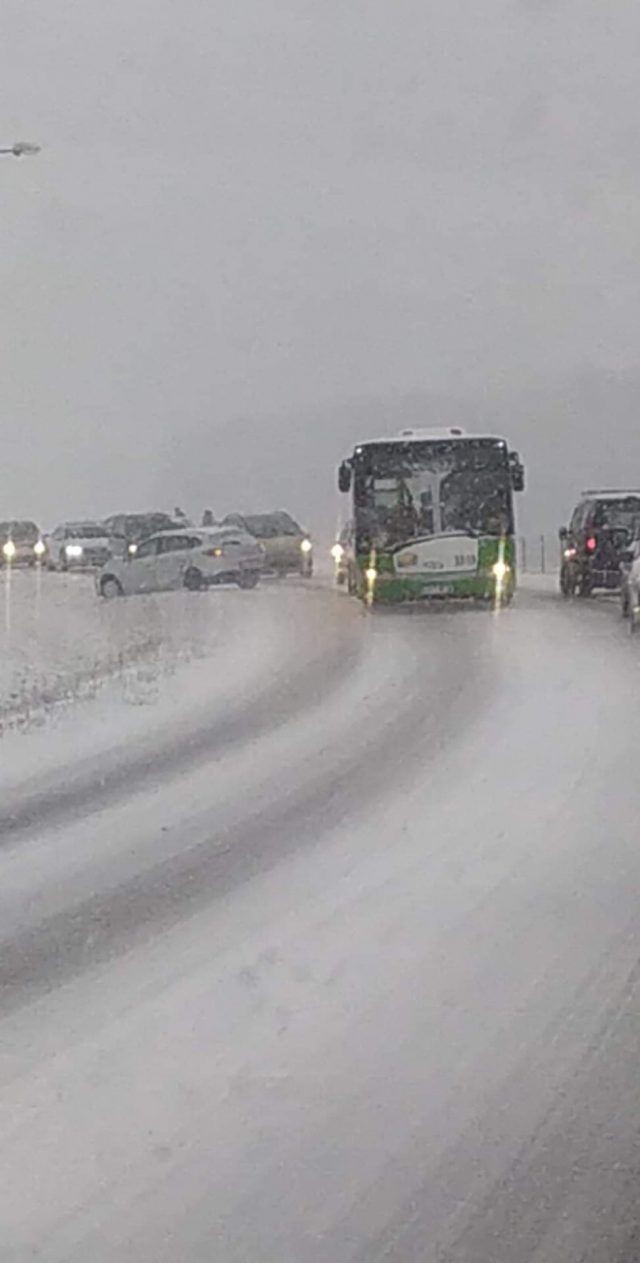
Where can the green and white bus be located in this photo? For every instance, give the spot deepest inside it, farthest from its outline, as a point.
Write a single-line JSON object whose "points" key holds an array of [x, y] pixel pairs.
{"points": [[432, 516]]}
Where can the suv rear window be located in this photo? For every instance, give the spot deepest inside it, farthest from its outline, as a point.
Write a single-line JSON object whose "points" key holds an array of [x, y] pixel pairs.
{"points": [[616, 514]]}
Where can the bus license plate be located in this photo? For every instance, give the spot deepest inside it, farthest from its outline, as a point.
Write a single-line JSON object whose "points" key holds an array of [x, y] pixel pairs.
{"points": [[439, 589]]}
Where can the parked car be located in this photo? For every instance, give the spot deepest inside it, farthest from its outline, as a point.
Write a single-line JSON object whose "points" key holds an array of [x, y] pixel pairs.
{"points": [[191, 557], [125, 529], [287, 547], [21, 544], [630, 588], [601, 528], [78, 545], [630, 576]]}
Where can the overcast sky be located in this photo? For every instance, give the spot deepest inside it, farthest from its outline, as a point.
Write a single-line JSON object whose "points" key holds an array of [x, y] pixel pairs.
{"points": [[251, 208]]}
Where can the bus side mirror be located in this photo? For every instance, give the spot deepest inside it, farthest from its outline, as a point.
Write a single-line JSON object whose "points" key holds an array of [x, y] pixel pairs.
{"points": [[344, 476], [517, 472], [563, 534]]}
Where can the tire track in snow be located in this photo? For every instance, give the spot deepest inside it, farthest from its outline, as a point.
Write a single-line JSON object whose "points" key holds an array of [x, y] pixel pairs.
{"points": [[412, 735]]}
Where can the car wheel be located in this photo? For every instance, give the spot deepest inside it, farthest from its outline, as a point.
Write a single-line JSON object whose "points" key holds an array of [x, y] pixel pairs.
{"points": [[248, 579], [193, 579], [110, 588], [624, 603], [567, 582], [585, 589]]}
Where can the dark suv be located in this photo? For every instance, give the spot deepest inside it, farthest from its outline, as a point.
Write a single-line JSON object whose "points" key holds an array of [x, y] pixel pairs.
{"points": [[601, 528], [126, 529]]}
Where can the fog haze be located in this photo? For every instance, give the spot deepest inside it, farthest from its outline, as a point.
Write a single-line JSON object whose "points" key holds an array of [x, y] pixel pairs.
{"points": [[258, 231]]}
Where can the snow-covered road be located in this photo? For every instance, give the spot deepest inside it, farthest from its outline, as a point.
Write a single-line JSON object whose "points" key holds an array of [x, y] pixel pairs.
{"points": [[328, 952]]}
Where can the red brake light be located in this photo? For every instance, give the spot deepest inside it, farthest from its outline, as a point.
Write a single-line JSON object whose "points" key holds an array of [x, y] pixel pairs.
{"points": [[592, 544]]}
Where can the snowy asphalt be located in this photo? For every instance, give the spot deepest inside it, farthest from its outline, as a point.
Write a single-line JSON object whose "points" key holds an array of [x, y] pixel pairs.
{"points": [[329, 952]]}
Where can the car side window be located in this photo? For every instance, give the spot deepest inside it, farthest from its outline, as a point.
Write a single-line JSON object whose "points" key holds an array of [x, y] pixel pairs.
{"points": [[166, 545], [174, 544], [148, 549], [578, 517]]}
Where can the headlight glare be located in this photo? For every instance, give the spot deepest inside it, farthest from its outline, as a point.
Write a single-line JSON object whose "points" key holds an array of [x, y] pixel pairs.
{"points": [[306, 546], [9, 549]]}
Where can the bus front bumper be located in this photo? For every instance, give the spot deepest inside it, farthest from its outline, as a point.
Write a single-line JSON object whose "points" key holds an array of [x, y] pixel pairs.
{"points": [[391, 589]]}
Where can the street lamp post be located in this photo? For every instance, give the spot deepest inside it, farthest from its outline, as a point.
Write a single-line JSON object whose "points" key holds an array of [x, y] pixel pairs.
{"points": [[21, 149]]}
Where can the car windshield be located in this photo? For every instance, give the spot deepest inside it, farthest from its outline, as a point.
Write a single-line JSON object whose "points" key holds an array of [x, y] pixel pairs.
{"points": [[412, 490], [140, 525], [85, 530], [26, 532], [271, 525]]}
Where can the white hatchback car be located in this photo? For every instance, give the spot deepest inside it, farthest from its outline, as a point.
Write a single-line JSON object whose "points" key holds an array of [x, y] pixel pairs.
{"points": [[192, 558]]}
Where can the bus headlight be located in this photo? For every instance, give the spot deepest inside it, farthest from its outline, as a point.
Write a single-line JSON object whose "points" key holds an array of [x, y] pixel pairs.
{"points": [[9, 549], [40, 548], [500, 571], [371, 574], [306, 546], [337, 552]]}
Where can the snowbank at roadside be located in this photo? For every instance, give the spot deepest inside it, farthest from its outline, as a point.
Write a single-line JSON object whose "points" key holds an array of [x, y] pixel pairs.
{"points": [[61, 645]]}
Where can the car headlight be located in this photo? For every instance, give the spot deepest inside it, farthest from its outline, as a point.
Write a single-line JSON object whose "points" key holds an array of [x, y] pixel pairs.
{"points": [[74, 550], [337, 552], [371, 574], [40, 548], [9, 549], [501, 570], [132, 550], [306, 546]]}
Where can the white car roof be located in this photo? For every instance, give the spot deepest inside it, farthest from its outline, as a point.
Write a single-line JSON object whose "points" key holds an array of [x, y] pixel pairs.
{"points": [[204, 531], [609, 495], [78, 526], [448, 433]]}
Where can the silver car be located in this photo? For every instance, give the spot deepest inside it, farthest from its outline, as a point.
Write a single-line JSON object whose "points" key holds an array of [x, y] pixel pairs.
{"points": [[78, 545], [192, 558]]}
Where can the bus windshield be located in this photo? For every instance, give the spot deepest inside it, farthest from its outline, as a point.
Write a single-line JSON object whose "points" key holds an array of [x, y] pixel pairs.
{"points": [[411, 490]]}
